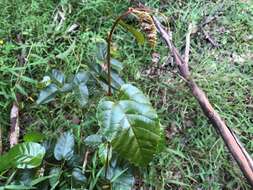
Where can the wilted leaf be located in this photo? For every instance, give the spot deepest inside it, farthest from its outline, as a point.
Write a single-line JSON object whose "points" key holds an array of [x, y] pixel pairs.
{"points": [[48, 94], [136, 33], [64, 148], [131, 125], [24, 155]]}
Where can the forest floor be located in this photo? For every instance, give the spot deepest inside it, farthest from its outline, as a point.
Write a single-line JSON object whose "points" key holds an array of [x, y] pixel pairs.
{"points": [[221, 60]]}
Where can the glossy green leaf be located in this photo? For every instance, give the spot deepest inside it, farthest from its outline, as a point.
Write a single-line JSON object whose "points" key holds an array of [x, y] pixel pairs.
{"points": [[67, 87], [93, 140], [82, 94], [24, 155], [136, 33], [119, 176], [116, 80], [124, 180], [64, 148], [131, 125], [116, 65], [81, 77], [47, 94], [104, 153], [101, 50], [34, 137], [78, 176], [58, 76], [56, 174], [25, 176]]}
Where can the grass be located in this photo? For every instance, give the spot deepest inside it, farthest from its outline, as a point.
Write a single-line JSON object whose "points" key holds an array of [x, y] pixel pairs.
{"points": [[195, 157]]}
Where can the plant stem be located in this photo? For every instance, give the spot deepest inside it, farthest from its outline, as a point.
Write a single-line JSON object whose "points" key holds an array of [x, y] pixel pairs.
{"points": [[107, 158], [109, 41]]}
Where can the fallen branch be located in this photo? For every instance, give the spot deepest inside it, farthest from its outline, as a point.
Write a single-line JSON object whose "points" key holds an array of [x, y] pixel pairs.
{"points": [[14, 133], [14, 116], [187, 43], [233, 144], [85, 161], [210, 39]]}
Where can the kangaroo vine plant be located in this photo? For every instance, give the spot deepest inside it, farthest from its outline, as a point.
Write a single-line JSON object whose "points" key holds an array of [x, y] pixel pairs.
{"points": [[150, 25]]}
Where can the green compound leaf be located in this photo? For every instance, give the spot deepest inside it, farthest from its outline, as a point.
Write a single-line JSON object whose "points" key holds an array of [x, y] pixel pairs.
{"points": [[131, 125]]}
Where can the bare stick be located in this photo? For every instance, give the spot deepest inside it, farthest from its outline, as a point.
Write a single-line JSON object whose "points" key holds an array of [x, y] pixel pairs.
{"points": [[14, 115], [85, 161], [14, 133], [210, 39], [233, 144], [187, 44]]}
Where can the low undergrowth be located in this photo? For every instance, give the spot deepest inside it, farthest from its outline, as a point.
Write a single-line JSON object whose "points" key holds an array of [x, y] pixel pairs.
{"points": [[66, 139]]}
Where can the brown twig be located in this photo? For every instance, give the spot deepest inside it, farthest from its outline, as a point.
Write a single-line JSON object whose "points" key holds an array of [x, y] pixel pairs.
{"points": [[109, 41], [14, 115], [233, 144], [187, 44], [85, 161], [14, 133], [209, 38]]}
